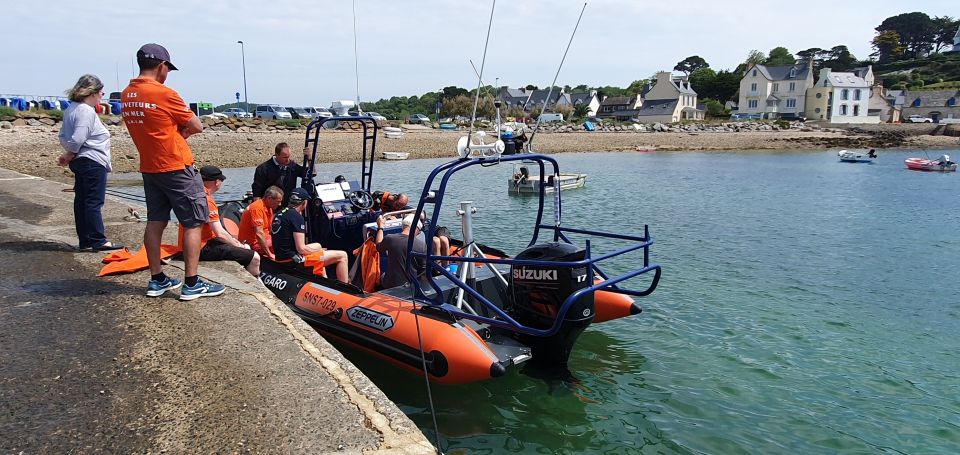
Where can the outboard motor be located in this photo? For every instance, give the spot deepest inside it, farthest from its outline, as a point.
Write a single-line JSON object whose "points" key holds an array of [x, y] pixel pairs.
{"points": [[509, 145], [537, 294]]}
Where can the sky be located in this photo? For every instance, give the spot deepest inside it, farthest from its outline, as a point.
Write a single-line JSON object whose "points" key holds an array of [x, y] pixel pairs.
{"points": [[301, 53]]}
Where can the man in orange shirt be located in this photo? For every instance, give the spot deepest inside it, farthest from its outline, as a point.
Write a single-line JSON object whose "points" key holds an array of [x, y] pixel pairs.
{"points": [[256, 219], [159, 122]]}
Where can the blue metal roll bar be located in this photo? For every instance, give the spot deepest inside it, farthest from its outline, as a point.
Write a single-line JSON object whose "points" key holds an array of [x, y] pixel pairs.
{"points": [[502, 319], [312, 139]]}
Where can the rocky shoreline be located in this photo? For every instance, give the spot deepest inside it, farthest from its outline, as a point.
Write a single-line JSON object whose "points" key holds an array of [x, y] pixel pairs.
{"points": [[29, 143]]}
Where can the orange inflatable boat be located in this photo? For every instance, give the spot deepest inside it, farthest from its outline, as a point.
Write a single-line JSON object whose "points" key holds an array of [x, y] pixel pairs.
{"points": [[472, 314]]}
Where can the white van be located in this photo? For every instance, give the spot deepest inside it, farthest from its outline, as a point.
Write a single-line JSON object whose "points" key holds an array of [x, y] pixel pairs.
{"points": [[272, 111], [551, 117]]}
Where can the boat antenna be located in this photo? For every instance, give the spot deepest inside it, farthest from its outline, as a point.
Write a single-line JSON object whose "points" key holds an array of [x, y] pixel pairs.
{"points": [[476, 99], [356, 62], [550, 93]]}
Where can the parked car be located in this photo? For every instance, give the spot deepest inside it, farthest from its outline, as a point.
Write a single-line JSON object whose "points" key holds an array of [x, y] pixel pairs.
{"points": [[743, 116], [792, 116], [299, 112], [375, 115], [418, 119], [215, 115], [319, 112], [272, 111], [236, 112], [919, 119]]}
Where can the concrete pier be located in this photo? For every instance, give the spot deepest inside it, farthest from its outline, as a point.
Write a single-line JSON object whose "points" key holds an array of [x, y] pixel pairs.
{"points": [[91, 365]]}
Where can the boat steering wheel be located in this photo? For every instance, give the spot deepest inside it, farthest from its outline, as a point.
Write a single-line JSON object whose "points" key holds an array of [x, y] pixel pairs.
{"points": [[361, 199]]}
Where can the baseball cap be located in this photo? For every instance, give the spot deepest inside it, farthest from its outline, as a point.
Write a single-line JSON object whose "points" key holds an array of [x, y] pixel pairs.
{"points": [[210, 173], [298, 195], [156, 52]]}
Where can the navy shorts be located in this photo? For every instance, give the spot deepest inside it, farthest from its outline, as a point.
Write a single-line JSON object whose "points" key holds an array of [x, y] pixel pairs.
{"points": [[180, 191], [216, 250]]}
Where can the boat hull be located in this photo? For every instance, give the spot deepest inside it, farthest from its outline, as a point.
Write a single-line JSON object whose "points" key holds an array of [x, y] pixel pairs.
{"points": [[920, 164], [531, 185], [389, 327]]}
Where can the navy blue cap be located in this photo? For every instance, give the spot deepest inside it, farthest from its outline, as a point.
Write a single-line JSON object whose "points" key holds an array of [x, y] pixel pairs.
{"points": [[156, 52], [299, 195]]}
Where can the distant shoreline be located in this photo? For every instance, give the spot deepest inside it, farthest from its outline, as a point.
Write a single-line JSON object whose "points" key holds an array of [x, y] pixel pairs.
{"points": [[33, 150]]}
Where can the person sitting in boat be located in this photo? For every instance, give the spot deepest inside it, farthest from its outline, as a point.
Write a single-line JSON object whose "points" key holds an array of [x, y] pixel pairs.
{"points": [[395, 247], [216, 243], [522, 176], [872, 153], [279, 171], [395, 202], [290, 240], [256, 220]]}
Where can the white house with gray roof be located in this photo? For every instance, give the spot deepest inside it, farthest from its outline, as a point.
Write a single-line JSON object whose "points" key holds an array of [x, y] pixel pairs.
{"points": [[671, 99], [775, 91], [840, 97]]}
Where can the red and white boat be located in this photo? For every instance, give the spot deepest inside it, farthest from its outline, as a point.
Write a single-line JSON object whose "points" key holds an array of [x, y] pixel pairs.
{"points": [[943, 164]]}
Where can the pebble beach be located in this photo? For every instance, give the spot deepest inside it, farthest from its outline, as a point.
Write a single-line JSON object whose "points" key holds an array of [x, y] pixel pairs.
{"points": [[33, 149]]}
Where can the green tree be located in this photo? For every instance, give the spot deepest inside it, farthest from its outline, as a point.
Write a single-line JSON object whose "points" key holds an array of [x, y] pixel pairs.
{"points": [[944, 29], [691, 64], [581, 88], [715, 109], [840, 59], [703, 81], [779, 56], [887, 47], [531, 87], [636, 87], [581, 111], [917, 32]]}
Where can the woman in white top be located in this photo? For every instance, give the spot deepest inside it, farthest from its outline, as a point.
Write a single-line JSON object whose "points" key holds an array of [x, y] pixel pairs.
{"points": [[86, 142]]}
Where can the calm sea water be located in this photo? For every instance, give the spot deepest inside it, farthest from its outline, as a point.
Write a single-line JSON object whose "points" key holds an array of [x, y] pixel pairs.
{"points": [[806, 306]]}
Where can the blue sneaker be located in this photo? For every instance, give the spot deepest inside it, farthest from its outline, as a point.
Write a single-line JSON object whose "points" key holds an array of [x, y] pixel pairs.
{"points": [[157, 288], [201, 289]]}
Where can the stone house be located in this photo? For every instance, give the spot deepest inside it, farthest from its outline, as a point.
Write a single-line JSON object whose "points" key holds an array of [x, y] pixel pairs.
{"points": [[775, 91], [936, 104]]}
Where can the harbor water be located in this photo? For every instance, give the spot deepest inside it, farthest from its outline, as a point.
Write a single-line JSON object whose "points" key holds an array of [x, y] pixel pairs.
{"points": [[806, 306]]}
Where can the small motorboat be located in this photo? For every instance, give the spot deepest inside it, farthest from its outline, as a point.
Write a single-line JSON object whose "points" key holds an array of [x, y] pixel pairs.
{"points": [[646, 148], [848, 156], [394, 155], [392, 132], [942, 164], [523, 183]]}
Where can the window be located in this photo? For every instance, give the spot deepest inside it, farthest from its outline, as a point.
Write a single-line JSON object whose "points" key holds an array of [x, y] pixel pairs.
{"points": [[844, 94], [753, 87], [793, 72], [791, 102], [819, 95], [856, 95], [843, 109], [952, 101], [793, 86], [776, 87], [752, 104], [856, 110], [754, 73], [916, 102], [817, 110]]}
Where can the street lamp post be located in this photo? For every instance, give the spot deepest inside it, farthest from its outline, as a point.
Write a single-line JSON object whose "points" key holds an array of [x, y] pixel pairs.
{"points": [[243, 58]]}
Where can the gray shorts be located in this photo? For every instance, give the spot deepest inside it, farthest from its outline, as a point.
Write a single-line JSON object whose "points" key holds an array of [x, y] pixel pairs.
{"points": [[180, 191]]}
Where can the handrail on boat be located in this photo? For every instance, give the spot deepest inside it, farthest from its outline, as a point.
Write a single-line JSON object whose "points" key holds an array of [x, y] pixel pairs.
{"points": [[434, 297]]}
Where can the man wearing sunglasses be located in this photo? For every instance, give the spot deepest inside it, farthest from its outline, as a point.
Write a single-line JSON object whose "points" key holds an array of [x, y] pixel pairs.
{"points": [[159, 122]]}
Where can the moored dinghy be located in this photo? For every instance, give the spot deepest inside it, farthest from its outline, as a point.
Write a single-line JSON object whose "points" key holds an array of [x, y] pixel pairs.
{"points": [[942, 164], [848, 156]]}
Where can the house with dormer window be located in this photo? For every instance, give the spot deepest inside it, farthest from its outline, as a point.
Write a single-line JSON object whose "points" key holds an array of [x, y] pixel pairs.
{"points": [[840, 97], [671, 99], [775, 91]]}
